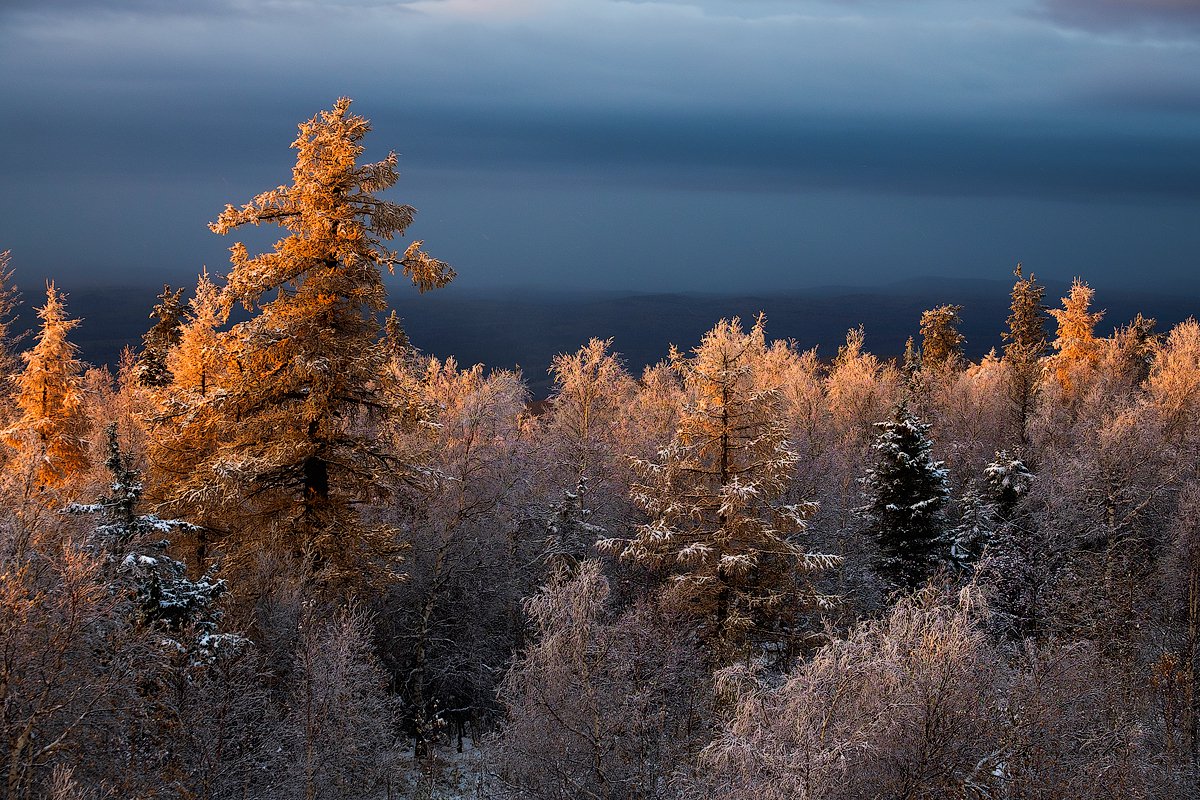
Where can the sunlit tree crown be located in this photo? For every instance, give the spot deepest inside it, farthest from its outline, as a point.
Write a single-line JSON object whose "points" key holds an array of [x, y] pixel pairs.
{"points": [[49, 395]]}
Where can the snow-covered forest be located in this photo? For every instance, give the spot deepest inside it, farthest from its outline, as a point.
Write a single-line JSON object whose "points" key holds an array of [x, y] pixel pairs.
{"points": [[280, 553]]}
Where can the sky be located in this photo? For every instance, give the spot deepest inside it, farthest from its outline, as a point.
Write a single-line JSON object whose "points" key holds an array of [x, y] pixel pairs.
{"points": [[649, 145]]}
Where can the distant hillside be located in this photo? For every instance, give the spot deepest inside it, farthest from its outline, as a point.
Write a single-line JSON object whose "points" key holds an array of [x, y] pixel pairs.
{"points": [[527, 328], [504, 329]]}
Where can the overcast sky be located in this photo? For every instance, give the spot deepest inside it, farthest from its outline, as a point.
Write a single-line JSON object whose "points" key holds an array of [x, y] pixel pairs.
{"points": [[669, 145]]}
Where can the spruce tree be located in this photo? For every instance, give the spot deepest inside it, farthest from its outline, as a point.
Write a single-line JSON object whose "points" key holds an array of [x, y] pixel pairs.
{"points": [[1135, 345], [976, 527], [1007, 480], [308, 373], [157, 342], [1015, 565], [912, 360], [135, 549], [1025, 345], [907, 489], [988, 510]]}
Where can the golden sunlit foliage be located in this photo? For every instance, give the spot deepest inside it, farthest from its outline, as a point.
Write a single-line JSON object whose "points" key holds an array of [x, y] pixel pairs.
{"points": [[718, 525], [294, 394], [50, 432], [941, 343], [1076, 347]]}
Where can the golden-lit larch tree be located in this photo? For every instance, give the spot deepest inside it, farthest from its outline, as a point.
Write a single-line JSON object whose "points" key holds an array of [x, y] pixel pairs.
{"points": [[717, 525], [941, 342], [197, 361], [52, 424], [1076, 345], [188, 418], [307, 370]]}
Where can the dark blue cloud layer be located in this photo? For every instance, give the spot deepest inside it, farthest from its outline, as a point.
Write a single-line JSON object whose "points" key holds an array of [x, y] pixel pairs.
{"points": [[954, 138]]}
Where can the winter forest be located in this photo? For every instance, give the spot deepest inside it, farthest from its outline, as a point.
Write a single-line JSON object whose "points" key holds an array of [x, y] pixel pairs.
{"points": [[280, 553]]}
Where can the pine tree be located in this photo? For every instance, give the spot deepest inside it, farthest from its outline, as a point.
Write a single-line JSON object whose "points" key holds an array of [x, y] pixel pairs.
{"points": [[718, 525], [941, 343], [907, 490], [306, 373], [157, 342], [1025, 346], [52, 425]]}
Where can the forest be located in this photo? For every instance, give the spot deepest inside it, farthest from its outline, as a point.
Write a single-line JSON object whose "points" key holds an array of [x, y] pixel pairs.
{"points": [[278, 552]]}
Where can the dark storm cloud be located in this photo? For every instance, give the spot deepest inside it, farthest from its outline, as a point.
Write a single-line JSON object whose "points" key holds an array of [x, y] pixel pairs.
{"points": [[201, 135], [697, 129], [783, 153], [1166, 18]]}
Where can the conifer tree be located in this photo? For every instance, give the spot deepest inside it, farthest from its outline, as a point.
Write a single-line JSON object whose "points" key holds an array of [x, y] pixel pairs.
{"points": [[134, 546], [976, 526], [306, 371], [1133, 347], [1015, 565], [197, 362], [718, 525], [912, 359], [988, 512], [1076, 345], [907, 489], [1008, 481], [52, 425], [591, 388], [569, 534], [157, 342], [1025, 344], [941, 342]]}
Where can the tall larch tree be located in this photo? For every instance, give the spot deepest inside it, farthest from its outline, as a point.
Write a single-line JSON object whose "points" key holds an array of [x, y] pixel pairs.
{"points": [[907, 490], [1025, 345], [306, 370], [1076, 346], [51, 428], [188, 419], [733, 551], [941, 342], [198, 362]]}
